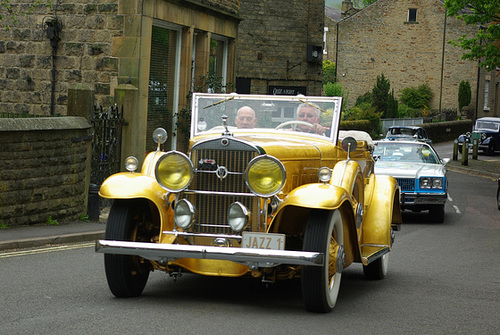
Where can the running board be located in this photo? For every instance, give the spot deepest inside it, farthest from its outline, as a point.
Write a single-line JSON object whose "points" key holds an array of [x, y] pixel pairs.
{"points": [[372, 252]]}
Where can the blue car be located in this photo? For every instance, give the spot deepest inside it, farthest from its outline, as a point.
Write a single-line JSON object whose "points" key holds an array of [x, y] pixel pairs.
{"points": [[487, 132]]}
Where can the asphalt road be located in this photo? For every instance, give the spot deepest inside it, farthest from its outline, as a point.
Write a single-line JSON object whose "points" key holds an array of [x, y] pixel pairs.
{"points": [[443, 279]]}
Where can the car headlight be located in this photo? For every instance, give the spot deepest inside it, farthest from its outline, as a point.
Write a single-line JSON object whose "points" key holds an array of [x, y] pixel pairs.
{"points": [[174, 171], [238, 216], [184, 214], [265, 176], [431, 183]]}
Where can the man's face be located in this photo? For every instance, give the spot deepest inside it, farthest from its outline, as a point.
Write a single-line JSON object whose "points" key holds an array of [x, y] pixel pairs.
{"points": [[307, 114], [245, 119]]}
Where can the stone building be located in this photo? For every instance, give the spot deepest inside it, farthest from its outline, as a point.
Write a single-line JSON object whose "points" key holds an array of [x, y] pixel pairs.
{"points": [[149, 55], [408, 41], [279, 47]]}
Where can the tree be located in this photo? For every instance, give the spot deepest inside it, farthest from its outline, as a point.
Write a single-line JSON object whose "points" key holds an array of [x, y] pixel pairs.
{"points": [[328, 72], [484, 46], [380, 95], [464, 95]]}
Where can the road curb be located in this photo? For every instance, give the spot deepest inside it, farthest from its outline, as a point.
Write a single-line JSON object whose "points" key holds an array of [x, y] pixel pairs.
{"points": [[56, 239]]}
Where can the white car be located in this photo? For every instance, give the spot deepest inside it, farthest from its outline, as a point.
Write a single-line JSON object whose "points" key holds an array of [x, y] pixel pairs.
{"points": [[420, 173]]}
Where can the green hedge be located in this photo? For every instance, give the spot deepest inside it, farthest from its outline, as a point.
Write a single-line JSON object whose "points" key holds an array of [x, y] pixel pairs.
{"points": [[447, 131], [364, 125]]}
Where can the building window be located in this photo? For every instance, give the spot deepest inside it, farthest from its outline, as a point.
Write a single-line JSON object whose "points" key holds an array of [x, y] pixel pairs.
{"points": [[163, 76], [412, 15], [217, 69]]}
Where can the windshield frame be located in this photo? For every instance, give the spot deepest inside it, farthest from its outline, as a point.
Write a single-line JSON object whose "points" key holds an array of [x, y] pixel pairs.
{"points": [[264, 105]]}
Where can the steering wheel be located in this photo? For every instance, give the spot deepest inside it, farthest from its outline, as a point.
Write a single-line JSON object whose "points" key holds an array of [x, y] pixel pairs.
{"points": [[293, 124]]}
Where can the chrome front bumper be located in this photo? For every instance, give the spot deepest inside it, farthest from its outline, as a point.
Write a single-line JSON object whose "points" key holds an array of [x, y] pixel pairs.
{"points": [[254, 258], [417, 199]]}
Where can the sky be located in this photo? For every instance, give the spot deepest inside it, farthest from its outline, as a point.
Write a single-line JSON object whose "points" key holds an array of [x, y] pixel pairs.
{"points": [[333, 3]]}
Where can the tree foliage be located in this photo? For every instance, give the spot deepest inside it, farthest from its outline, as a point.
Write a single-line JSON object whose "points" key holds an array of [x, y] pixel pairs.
{"points": [[328, 72], [464, 94], [484, 46], [416, 97]]}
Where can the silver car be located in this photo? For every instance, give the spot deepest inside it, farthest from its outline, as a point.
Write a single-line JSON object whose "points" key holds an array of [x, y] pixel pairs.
{"points": [[420, 173]]}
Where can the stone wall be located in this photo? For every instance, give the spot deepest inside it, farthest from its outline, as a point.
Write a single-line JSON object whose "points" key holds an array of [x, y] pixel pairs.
{"points": [[379, 39], [44, 169], [273, 38], [83, 54]]}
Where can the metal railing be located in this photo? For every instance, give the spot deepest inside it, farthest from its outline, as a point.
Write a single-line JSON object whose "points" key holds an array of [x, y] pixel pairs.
{"points": [[106, 143]]}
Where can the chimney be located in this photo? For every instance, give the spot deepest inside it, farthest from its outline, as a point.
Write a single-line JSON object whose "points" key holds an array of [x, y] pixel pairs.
{"points": [[346, 8]]}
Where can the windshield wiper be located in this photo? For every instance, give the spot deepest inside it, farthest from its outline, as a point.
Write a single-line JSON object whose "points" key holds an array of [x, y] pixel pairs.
{"points": [[218, 102]]}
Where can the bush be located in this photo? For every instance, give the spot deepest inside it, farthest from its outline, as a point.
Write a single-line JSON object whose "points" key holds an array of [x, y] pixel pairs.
{"points": [[416, 98], [329, 69], [333, 89], [464, 95]]}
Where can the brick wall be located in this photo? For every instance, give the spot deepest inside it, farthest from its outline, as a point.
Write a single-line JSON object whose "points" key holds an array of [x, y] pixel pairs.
{"points": [[44, 169]]}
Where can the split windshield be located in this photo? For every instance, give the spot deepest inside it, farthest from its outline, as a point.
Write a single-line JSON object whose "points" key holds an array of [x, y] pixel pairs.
{"points": [[214, 113]]}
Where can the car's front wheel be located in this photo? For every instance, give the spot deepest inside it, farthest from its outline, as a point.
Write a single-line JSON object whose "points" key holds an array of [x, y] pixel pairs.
{"points": [[436, 213], [128, 220], [377, 269], [320, 284]]}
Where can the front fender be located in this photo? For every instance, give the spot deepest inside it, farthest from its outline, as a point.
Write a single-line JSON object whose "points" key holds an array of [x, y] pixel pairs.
{"points": [[316, 196], [384, 210], [128, 185]]}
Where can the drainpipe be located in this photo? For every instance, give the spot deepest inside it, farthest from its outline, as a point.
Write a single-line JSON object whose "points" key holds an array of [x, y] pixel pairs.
{"points": [[53, 27], [442, 65]]}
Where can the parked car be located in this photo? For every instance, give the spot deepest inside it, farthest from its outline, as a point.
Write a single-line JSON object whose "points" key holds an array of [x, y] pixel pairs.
{"points": [[407, 133], [420, 173], [487, 131], [273, 201]]}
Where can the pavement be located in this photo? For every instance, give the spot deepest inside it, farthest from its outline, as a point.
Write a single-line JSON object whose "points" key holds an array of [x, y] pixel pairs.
{"points": [[81, 231]]}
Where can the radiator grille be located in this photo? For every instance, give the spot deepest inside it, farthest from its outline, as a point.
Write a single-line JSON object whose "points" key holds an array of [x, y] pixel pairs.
{"points": [[406, 184], [212, 208]]}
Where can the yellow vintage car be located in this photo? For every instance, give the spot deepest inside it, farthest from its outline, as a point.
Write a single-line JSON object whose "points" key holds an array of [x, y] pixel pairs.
{"points": [[270, 188]]}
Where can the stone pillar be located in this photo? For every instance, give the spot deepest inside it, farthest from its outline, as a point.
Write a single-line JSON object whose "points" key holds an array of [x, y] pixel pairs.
{"points": [[134, 128], [81, 101]]}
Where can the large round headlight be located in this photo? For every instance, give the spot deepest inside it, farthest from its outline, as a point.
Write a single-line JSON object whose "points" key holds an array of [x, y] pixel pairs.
{"points": [[174, 171], [265, 176]]}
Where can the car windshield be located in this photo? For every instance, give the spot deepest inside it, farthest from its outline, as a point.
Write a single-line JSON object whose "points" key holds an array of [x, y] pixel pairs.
{"points": [[487, 125], [401, 132], [237, 113], [405, 152]]}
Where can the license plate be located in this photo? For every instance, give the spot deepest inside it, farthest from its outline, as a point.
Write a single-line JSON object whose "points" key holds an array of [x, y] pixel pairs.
{"points": [[263, 241]]}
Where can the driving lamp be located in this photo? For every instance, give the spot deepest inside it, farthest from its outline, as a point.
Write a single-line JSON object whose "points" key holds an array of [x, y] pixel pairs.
{"points": [[131, 163], [238, 216], [324, 174], [265, 176], [174, 171], [184, 214]]}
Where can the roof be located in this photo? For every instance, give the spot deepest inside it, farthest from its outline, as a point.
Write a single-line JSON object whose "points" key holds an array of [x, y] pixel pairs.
{"points": [[333, 13]]}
